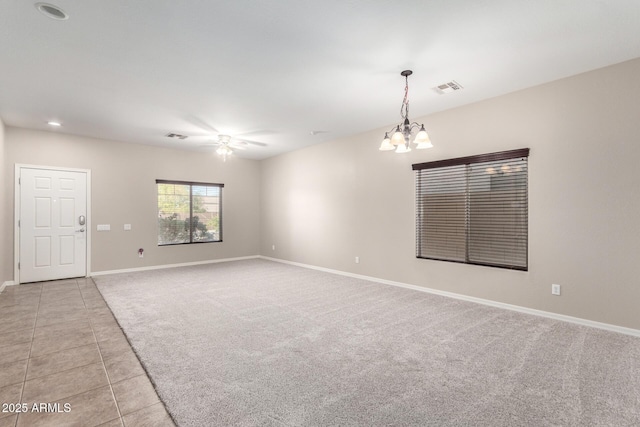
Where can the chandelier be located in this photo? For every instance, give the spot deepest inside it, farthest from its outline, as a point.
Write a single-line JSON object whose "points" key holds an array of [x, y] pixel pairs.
{"points": [[402, 134]]}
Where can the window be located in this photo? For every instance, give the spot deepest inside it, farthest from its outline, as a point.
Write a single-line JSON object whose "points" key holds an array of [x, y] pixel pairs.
{"points": [[474, 209], [189, 212]]}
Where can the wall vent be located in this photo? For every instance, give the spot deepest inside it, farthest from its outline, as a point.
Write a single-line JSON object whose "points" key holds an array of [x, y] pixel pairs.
{"points": [[448, 87], [176, 135]]}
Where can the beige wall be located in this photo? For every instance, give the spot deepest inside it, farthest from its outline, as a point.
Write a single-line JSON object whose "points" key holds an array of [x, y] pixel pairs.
{"points": [[5, 274], [326, 204], [124, 191]]}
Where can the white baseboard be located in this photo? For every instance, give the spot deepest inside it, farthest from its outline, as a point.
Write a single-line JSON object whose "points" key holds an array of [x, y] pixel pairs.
{"points": [[548, 314], [159, 267], [5, 284]]}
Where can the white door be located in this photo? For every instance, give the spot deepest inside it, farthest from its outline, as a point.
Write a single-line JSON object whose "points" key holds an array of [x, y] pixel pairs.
{"points": [[53, 224]]}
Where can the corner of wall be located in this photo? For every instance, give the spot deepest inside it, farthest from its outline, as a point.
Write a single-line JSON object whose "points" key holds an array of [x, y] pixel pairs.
{"points": [[4, 207]]}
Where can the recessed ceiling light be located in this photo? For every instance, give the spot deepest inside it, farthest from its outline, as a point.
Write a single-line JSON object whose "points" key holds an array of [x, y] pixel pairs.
{"points": [[56, 124], [52, 11]]}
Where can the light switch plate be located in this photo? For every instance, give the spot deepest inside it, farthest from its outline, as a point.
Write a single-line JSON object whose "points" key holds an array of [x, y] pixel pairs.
{"points": [[104, 227]]}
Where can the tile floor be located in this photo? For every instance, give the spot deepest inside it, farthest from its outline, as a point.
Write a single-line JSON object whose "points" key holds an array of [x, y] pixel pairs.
{"points": [[59, 343]]}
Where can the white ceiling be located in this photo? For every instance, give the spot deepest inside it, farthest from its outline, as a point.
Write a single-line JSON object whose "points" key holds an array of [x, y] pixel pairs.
{"points": [[273, 71]]}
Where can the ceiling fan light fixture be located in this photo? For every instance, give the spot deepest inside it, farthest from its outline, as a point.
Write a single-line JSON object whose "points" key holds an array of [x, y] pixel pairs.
{"points": [[225, 145], [224, 151]]}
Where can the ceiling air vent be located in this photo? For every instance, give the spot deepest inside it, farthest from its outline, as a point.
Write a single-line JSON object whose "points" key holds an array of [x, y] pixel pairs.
{"points": [[448, 87], [176, 135], [52, 11]]}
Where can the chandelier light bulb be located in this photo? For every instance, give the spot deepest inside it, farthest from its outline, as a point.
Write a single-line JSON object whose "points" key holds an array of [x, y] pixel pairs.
{"points": [[397, 138], [422, 140], [423, 145], [403, 148], [386, 144]]}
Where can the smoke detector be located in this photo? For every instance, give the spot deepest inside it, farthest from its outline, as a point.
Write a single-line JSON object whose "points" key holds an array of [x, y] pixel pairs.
{"points": [[448, 87]]}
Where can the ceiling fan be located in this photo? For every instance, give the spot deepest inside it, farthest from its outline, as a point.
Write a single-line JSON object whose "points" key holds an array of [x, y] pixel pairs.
{"points": [[226, 144], [223, 142]]}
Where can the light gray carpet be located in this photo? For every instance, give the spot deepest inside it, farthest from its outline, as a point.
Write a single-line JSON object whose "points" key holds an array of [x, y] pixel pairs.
{"points": [[261, 343]]}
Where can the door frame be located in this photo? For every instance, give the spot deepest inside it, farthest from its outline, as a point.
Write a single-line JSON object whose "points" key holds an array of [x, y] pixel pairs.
{"points": [[17, 212]]}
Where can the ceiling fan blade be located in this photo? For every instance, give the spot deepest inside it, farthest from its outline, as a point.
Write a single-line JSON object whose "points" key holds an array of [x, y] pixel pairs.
{"points": [[259, 144], [257, 132], [238, 141], [202, 124]]}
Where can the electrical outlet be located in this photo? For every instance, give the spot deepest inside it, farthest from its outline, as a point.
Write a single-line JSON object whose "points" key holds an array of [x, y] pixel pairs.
{"points": [[357, 260], [273, 247], [555, 289]]}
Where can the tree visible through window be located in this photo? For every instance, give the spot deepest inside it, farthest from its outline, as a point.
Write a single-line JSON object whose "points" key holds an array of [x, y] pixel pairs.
{"points": [[189, 212]]}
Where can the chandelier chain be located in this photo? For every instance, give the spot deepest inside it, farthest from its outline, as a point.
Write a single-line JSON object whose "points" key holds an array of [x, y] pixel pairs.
{"points": [[404, 109]]}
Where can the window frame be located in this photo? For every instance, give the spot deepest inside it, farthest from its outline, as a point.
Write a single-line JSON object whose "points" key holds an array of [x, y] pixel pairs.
{"points": [[466, 161], [191, 184]]}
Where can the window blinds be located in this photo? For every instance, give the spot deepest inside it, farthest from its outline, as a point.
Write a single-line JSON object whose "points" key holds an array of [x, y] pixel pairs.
{"points": [[474, 209]]}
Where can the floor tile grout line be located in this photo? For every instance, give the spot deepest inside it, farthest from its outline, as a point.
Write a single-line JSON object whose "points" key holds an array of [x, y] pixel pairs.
{"points": [[69, 331], [159, 402], [81, 393], [104, 366], [65, 370], [17, 343], [35, 322]]}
